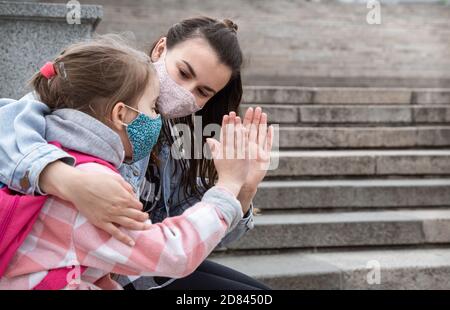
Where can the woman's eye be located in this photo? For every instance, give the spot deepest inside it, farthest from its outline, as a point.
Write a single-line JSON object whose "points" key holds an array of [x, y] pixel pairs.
{"points": [[183, 74], [202, 93]]}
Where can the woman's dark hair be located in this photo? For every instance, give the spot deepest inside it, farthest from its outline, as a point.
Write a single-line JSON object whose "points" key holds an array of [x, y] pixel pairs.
{"points": [[222, 37]]}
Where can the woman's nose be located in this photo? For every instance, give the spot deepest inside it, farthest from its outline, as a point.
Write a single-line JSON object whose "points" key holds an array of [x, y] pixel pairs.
{"points": [[190, 86]]}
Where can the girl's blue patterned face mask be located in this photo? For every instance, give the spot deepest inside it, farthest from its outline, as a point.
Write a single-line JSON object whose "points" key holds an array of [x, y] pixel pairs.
{"points": [[143, 133]]}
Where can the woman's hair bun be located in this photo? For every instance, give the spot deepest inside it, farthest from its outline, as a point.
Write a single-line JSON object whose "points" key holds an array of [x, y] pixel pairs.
{"points": [[230, 24]]}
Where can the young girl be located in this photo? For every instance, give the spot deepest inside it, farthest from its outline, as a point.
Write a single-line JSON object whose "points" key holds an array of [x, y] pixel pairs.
{"points": [[102, 94]]}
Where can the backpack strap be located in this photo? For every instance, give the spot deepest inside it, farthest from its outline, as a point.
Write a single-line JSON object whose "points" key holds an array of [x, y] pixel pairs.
{"points": [[56, 279], [81, 158]]}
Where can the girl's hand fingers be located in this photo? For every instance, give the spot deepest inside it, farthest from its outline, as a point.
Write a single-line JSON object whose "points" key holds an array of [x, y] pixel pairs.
{"points": [[215, 147], [225, 120], [223, 132], [117, 234], [231, 137]]}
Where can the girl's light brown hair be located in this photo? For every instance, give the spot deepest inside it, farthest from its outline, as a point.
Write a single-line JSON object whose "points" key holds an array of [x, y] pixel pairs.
{"points": [[94, 75]]}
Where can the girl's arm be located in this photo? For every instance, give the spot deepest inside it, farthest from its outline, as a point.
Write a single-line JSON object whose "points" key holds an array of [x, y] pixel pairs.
{"points": [[177, 246], [244, 225], [173, 248]]}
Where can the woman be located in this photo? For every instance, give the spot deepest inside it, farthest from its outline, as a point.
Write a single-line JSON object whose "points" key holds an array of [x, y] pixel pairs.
{"points": [[198, 64]]}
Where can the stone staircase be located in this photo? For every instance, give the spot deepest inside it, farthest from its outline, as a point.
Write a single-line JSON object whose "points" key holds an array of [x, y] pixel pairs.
{"points": [[361, 197]]}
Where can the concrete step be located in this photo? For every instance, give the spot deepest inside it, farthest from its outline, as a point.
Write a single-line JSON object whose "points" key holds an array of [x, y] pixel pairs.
{"points": [[364, 269], [361, 163], [310, 42], [364, 193], [322, 115], [347, 229], [344, 95], [363, 137]]}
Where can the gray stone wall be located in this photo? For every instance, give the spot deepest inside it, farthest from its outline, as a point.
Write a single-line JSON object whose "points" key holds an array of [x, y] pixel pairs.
{"points": [[312, 43], [31, 34]]}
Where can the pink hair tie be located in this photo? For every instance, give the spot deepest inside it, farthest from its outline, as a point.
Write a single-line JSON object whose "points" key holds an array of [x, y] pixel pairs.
{"points": [[48, 70]]}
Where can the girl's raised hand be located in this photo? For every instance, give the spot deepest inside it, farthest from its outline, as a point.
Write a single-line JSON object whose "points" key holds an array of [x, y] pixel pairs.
{"points": [[230, 155]]}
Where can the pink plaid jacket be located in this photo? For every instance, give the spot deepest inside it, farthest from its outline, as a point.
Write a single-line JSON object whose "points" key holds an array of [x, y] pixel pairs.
{"points": [[62, 237]]}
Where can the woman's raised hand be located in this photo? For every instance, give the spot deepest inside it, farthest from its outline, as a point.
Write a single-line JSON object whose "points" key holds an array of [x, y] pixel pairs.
{"points": [[260, 146]]}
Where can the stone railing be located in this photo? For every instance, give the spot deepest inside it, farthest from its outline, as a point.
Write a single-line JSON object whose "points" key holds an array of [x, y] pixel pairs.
{"points": [[32, 33]]}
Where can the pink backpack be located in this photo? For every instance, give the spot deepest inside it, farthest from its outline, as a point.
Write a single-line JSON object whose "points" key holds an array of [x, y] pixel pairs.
{"points": [[19, 212]]}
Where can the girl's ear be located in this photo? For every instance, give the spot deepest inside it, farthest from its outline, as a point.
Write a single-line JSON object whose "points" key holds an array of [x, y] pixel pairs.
{"points": [[118, 115], [159, 49]]}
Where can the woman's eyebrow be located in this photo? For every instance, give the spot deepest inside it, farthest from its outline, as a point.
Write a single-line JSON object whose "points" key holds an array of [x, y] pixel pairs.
{"points": [[192, 72]]}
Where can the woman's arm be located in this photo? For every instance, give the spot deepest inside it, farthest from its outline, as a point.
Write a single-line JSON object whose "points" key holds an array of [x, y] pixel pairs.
{"points": [[24, 153], [28, 164]]}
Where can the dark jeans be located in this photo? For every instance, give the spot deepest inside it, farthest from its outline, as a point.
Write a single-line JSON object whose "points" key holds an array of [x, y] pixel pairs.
{"points": [[212, 276]]}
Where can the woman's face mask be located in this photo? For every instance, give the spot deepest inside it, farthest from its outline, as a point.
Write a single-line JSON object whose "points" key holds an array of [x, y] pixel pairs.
{"points": [[174, 101]]}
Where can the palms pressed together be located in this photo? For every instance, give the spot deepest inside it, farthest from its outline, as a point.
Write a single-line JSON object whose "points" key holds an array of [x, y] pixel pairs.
{"points": [[260, 142]]}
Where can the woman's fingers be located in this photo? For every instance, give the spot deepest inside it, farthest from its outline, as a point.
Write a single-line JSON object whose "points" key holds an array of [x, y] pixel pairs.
{"points": [[240, 147], [255, 125], [269, 141], [116, 233], [130, 201], [248, 118], [267, 148], [124, 184], [262, 131], [245, 144], [134, 214], [130, 224]]}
